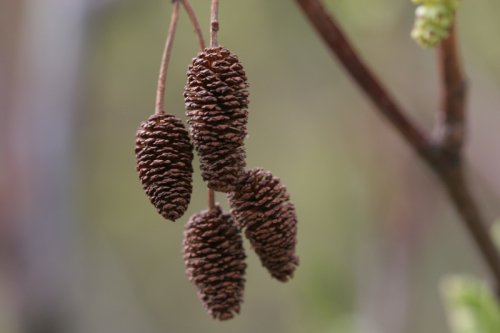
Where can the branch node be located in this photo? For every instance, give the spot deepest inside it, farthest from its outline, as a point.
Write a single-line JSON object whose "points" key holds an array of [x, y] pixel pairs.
{"points": [[215, 25], [443, 152]]}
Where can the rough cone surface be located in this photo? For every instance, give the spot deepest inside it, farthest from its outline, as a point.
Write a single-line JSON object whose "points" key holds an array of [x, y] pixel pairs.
{"points": [[164, 162], [214, 254], [217, 103], [260, 205]]}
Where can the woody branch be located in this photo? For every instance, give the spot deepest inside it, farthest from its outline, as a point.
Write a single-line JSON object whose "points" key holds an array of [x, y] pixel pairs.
{"points": [[443, 153]]}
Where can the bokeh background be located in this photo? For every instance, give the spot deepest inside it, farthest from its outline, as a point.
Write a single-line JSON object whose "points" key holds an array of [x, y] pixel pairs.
{"points": [[83, 251]]}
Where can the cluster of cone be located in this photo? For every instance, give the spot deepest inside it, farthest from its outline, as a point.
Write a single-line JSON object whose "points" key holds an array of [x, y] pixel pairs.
{"points": [[216, 104], [433, 20]]}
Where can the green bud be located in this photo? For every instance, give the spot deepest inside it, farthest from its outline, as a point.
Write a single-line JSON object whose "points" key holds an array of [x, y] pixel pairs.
{"points": [[433, 20]]}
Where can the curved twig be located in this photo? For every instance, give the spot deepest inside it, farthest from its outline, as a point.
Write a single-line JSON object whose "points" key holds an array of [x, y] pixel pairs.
{"points": [[196, 24], [160, 93]]}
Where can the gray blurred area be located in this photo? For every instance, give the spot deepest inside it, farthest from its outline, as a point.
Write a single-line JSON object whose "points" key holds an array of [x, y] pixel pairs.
{"points": [[83, 251]]}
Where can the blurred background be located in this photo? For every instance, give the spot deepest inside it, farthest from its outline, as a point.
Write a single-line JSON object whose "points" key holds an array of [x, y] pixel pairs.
{"points": [[83, 251]]}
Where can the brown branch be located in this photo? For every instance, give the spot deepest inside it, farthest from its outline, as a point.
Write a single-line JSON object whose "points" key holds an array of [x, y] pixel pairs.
{"points": [[160, 93], [194, 21], [214, 23], [444, 161], [451, 130], [451, 135]]}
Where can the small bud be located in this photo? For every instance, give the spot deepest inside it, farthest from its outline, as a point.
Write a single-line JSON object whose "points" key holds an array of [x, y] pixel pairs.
{"points": [[433, 20]]}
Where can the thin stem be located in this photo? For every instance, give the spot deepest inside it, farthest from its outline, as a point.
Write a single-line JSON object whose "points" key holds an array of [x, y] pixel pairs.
{"points": [[211, 199], [196, 24], [214, 27], [160, 93], [451, 138], [451, 129], [214, 24]]}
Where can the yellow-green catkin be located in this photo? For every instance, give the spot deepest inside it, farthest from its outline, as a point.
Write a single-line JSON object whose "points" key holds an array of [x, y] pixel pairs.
{"points": [[433, 20]]}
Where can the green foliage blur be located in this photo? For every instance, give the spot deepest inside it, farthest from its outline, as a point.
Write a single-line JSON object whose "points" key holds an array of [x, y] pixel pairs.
{"points": [[471, 305]]}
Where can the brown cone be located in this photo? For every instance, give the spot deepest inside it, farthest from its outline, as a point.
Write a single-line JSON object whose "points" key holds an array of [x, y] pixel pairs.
{"points": [[260, 205], [164, 162], [217, 103], [214, 254]]}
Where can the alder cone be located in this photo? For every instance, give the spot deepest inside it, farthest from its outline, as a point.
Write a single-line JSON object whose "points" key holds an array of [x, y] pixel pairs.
{"points": [[261, 206], [164, 162], [214, 255], [216, 104]]}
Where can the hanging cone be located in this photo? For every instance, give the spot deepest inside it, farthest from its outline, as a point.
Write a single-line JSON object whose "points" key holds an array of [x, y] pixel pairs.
{"points": [[217, 103], [261, 206], [214, 255], [164, 162]]}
